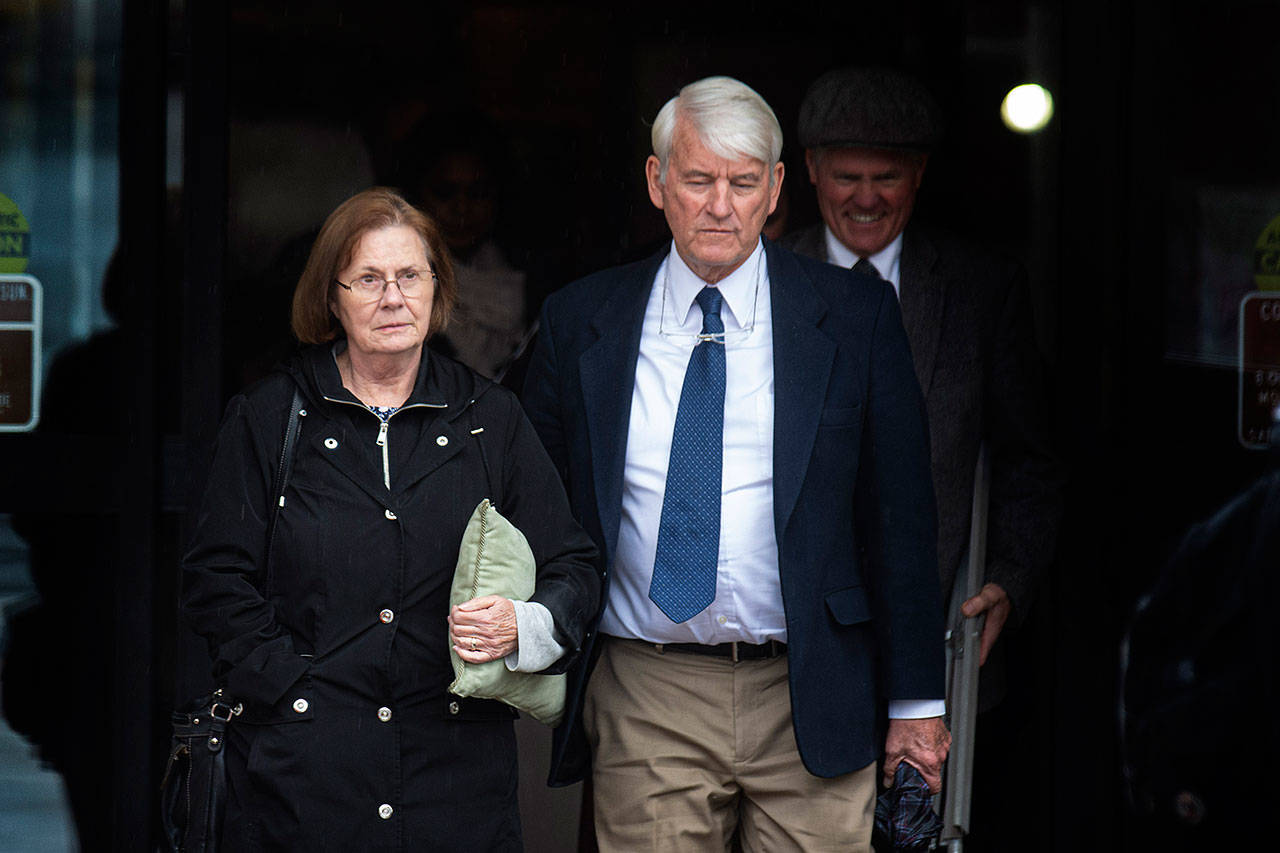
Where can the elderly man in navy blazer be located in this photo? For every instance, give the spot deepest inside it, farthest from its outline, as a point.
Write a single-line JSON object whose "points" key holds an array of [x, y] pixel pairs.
{"points": [[741, 431]]}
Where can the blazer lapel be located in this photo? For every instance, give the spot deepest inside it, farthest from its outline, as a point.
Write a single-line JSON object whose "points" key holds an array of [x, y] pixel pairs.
{"points": [[921, 294], [802, 360], [608, 374]]}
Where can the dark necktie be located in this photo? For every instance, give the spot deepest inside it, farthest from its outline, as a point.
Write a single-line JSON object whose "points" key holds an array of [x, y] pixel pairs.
{"points": [[865, 267], [684, 569]]}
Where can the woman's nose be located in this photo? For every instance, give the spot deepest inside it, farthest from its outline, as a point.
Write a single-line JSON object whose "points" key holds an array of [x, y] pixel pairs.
{"points": [[391, 292]]}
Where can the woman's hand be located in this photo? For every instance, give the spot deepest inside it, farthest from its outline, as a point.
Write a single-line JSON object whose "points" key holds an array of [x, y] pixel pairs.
{"points": [[483, 629]]}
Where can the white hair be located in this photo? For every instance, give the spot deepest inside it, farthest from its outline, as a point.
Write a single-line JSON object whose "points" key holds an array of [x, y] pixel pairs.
{"points": [[730, 118]]}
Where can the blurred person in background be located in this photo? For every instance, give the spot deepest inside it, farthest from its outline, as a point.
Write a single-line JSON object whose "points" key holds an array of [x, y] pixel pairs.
{"points": [[454, 167]]}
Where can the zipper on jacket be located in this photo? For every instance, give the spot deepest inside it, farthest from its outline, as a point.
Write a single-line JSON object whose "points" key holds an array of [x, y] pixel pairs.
{"points": [[382, 430], [386, 462]]}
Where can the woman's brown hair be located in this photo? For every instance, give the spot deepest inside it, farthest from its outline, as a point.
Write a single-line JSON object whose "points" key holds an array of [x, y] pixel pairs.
{"points": [[372, 210]]}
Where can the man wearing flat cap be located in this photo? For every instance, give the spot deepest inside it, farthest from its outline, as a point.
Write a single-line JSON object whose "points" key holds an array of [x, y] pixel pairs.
{"points": [[867, 135]]}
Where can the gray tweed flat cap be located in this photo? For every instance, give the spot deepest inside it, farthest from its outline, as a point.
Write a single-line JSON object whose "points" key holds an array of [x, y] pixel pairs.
{"points": [[869, 108]]}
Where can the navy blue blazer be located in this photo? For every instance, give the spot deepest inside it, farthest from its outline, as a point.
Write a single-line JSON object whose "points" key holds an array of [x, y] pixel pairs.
{"points": [[853, 498]]}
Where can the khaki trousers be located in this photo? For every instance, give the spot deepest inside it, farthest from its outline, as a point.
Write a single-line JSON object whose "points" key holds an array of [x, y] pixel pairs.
{"points": [[686, 748]]}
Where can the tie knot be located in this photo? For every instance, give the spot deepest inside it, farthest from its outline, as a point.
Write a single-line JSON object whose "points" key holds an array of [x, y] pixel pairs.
{"points": [[709, 300], [865, 267]]}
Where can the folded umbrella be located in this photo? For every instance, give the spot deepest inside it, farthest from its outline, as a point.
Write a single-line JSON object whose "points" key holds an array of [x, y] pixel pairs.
{"points": [[905, 819]]}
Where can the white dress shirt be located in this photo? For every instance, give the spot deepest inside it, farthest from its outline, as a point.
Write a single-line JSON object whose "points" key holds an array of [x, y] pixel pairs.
{"points": [[748, 602], [886, 261]]}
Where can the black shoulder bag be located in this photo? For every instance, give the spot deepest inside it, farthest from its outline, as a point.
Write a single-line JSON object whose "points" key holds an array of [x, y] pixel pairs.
{"points": [[193, 793]]}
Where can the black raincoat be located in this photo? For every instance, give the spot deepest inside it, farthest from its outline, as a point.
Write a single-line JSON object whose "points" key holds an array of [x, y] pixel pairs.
{"points": [[339, 648]]}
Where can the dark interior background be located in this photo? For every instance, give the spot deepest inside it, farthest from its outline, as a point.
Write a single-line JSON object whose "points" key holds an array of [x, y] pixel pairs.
{"points": [[1156, 103], [1167, 124]]}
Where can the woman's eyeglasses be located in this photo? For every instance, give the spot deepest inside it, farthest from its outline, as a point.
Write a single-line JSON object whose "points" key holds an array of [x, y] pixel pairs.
{"points": [[370, 287]]}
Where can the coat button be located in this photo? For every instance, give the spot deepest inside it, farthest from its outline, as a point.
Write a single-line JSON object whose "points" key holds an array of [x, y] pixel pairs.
{"points": [[384, 811], [300, 705], [331, 443], [384, 713], [442, 440], [386, 616], [389, 514], [453, 707]]}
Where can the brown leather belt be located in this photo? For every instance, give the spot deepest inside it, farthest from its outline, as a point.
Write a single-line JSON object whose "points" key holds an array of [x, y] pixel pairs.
{"points": [[733, 651]]}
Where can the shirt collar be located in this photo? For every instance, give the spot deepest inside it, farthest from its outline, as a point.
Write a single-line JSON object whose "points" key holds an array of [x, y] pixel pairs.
{"points": [[885, 261], [738, 289]]}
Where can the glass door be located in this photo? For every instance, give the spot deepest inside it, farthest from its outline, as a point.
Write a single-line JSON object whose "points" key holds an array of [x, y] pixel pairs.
{"points": [[81, 195]]}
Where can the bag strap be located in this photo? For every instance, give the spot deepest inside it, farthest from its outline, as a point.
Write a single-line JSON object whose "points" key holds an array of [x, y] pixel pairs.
{"points": [[287, 452]]}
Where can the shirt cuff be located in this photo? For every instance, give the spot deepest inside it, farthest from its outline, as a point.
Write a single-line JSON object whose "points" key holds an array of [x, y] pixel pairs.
{"points": [[537, 645], [916, 709]]}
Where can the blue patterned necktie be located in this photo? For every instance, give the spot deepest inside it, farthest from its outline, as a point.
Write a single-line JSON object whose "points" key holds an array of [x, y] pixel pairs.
{"points": [[684, 570]]}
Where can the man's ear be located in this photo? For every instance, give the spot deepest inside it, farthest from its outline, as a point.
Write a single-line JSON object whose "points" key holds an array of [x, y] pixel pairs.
{"points": [[775, 191], [653, 177]]}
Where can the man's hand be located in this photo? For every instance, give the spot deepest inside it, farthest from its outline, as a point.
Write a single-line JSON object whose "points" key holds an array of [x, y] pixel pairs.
{"points": [[923, 744], [993, 601]]}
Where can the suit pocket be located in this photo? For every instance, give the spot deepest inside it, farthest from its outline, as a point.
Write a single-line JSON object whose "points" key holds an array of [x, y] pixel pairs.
{"points": [[842, 417], [849, 606]]}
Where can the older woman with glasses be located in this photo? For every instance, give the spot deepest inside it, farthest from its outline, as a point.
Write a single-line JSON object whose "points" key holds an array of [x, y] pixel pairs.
{"points": [[326, 607]]}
